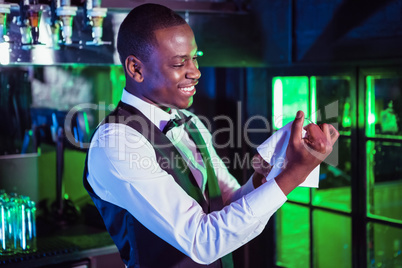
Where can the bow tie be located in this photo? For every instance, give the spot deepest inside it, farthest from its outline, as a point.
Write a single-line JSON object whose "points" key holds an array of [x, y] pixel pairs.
{"points": [[175, 123]]}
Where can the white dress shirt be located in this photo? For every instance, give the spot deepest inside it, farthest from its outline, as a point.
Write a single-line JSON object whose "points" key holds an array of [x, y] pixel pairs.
{"points": [[123, 170]]}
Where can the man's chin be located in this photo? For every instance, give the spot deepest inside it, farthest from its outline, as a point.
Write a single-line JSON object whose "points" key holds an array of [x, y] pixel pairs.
{"points": [[184, 105], [177, 106], [189, 103]]}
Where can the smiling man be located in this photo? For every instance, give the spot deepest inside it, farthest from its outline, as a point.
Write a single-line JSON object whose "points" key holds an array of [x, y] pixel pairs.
{"points": [[164, 194], [167, 77]]}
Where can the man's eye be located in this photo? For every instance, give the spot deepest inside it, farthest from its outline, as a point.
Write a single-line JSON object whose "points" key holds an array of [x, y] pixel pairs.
{"points": [[178, 65]]}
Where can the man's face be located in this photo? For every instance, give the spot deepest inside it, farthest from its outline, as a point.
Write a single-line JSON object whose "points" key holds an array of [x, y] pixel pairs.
{"points": [[171, 74]]}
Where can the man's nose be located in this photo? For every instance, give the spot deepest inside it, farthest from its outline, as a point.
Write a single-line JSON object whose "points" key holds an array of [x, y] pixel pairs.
{"points": [[193, 72]]}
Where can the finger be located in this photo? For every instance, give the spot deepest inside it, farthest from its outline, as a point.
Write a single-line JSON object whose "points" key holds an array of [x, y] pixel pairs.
{"points": [[333, 133], [305, 127], [330, 132], [325, 128], [316, 139], [313, 132], [297, 126]]}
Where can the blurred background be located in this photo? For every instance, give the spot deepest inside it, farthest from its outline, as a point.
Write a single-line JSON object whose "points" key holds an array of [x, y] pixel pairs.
{"points": [[340, 61]]}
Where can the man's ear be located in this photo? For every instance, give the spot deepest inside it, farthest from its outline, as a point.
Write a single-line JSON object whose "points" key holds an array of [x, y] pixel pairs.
{"points": [[134, 68]]}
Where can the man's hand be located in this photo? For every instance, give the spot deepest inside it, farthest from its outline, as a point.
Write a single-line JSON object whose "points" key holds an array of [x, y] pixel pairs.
{"points": [[261, 168], [304, 154]]}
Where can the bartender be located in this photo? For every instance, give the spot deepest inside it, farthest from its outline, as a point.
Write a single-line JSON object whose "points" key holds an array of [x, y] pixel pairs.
{"points": [[164, 194]]}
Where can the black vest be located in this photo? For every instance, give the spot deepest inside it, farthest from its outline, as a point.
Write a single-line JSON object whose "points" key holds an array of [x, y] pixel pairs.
{"points": [[138, 246]]}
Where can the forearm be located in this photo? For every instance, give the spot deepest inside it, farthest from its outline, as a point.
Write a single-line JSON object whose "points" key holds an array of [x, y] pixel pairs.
{"points": [[289, 179]]}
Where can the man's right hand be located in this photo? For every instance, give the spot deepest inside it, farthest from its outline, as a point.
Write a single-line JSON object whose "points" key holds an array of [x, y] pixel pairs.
{"points": [[305, 153]]}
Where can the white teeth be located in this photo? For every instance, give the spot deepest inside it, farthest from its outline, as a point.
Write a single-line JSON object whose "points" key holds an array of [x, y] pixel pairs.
{"points": [[187, 88]]}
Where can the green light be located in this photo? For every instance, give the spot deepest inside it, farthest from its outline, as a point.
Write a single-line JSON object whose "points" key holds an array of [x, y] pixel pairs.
{"points": [[86, 123], [337, 229], [200, 53], [290, 94], [346, 120], [277, 104], [370, 151], [118, 80], [313, 99], [389, 119], [371, 118], [292, 232]]}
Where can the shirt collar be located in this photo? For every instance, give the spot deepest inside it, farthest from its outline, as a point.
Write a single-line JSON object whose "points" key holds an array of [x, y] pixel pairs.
{"points": [[155, 114]]}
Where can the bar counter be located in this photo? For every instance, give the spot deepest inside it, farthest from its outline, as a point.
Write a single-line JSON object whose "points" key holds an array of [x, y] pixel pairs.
{"points": [[72, 245]]}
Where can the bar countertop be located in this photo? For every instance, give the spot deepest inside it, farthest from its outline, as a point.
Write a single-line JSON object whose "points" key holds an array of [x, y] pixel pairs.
{"points": [[57, 245]]}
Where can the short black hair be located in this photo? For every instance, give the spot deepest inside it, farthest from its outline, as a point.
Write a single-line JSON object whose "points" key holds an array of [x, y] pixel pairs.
{"points": [[136, 33]]}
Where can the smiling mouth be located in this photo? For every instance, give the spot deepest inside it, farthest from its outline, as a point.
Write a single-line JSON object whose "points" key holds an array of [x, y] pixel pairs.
{"points": [[188, 90]]}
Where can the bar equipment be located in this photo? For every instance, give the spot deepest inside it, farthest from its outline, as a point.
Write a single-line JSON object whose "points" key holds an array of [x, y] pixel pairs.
{"points": [[26, 36], [30, 18], [18, 224], [96, 15], [26, 224], [5, 9], [34, 14], [66, 13]]}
